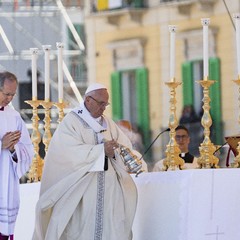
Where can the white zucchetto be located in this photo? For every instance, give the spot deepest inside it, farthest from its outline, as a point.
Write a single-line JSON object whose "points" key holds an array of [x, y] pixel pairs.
{"points": [[95, 86]]}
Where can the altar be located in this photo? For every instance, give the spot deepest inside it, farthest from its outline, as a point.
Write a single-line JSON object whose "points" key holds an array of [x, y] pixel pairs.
{"points": [[199, 204]]}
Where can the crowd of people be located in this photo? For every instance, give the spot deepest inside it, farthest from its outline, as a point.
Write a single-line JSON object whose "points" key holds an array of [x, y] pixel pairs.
{"points": [[83, 163]]}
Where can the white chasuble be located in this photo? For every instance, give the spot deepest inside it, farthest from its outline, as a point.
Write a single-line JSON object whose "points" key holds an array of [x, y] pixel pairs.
{"points": [[75, 202]]}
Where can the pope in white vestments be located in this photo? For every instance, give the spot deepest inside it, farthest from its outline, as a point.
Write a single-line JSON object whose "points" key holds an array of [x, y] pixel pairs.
{"points": [[16, 153], [86, 192]]}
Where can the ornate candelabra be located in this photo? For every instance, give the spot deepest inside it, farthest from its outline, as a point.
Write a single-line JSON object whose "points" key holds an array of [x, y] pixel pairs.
{"points": [[47, 105], [172, 160], [206, 149], [35, 171]]}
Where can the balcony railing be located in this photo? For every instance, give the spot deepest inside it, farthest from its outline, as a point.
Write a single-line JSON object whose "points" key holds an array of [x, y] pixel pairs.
{"points": [[104, 5]]}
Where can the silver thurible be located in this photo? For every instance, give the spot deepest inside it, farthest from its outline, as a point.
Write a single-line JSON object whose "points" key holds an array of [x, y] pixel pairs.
{"points": [[132, 162]]}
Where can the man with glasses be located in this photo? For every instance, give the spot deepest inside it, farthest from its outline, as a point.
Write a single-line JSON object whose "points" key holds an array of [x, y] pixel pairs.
{"points": [[183, 139], [86, 191], [16, 153]]}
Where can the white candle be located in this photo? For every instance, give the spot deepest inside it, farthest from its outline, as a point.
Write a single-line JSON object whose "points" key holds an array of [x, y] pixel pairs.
{"points": [[47, 49], [60, 71], [34, 52], [237, 25], [172, 30], [205, 23]]}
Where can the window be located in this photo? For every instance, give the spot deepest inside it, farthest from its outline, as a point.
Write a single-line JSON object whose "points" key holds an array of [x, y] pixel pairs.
{"points": [[77, 63], [193, 92], [130, 99]]}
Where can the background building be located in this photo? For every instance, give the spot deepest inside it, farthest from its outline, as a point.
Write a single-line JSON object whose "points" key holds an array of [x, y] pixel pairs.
{"points": [[126, 47], [130, 53]]}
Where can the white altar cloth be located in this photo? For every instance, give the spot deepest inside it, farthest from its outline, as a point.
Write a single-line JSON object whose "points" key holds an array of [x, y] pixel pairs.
{"points": [[177, 205]]}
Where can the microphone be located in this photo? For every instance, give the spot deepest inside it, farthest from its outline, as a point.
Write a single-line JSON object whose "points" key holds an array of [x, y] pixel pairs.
{"points": [[166, 130], [219, 148]]}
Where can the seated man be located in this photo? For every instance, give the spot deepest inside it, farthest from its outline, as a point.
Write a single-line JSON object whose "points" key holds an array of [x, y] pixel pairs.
{"points": [[183, 140]]}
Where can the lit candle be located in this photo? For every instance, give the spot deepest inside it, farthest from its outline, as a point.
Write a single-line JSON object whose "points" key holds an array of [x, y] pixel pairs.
{"points": [[172, 30], [205, 23], [47, 49], [237, 25], [34, 52], [60, 71]]}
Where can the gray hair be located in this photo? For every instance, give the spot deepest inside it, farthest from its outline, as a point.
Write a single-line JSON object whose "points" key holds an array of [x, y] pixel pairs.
{"points": [[7, 76]]}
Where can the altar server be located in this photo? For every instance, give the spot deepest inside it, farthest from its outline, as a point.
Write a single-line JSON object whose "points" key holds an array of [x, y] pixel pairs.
{"points": [[16, 153], [183, 139]]}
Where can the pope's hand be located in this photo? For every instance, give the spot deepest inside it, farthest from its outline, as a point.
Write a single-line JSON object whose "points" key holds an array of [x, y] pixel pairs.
{"points": [[109, 148]]}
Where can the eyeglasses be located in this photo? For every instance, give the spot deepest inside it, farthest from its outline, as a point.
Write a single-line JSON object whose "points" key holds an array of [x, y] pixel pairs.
{"points": [[101, 104], [183, 137], [8, 94]]}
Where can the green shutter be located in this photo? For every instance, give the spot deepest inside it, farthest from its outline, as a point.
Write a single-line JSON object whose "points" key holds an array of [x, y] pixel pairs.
{"points": [[187, 80], [116, 91], [142, 94], [138, 3], [81, 32], [215, 96]]}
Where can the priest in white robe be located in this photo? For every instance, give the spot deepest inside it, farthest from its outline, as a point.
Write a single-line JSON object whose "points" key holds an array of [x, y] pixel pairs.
{"points": [[86, 190], [16, 153]]}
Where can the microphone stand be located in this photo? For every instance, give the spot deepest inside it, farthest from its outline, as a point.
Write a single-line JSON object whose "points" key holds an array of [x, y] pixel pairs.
{"points": [[220, 148], [166, 130]]}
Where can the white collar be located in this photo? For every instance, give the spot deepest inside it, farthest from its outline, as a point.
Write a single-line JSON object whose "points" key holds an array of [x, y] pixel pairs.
{"points": [[86, 116]]}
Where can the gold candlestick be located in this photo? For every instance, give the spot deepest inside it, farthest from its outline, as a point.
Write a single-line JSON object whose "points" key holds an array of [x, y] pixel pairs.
{"points": [[206, 149], [236, 163], [47, 119], [60, 106], [173, 161], [35, 171]]}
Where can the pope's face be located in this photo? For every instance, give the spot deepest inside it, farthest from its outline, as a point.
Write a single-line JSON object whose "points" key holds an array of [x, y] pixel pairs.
{"points": [[97, 102], [7, 92]]}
